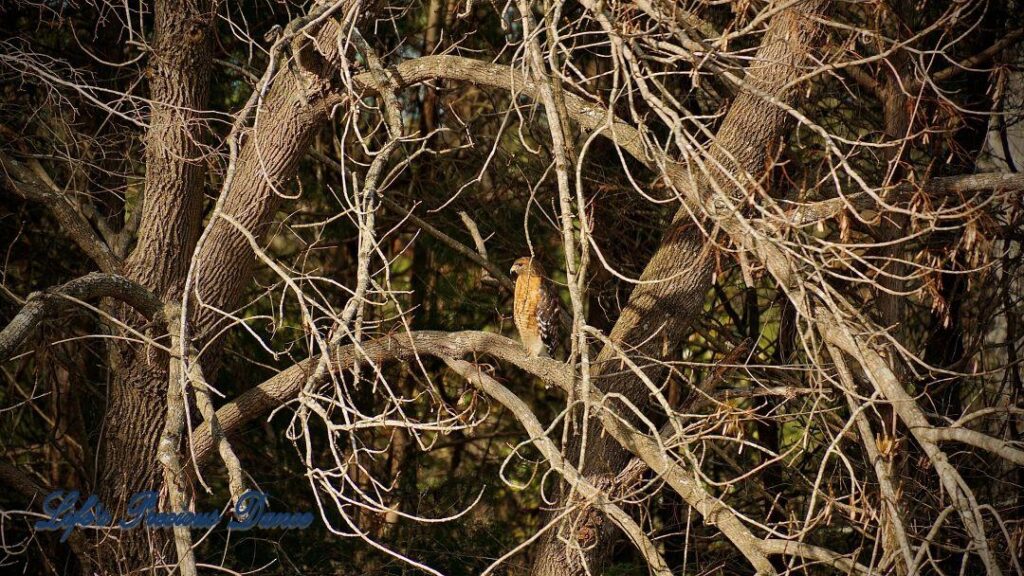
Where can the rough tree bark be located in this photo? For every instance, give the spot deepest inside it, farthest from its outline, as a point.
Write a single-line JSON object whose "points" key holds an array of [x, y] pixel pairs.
{"points": [[744, 145], [170, 225], [295, 104]]}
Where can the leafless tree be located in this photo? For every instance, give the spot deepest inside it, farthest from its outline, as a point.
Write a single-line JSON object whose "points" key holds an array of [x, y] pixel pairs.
{"points": [[787, 233]]}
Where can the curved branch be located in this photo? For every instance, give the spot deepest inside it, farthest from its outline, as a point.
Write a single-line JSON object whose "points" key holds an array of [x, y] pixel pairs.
{"points": [[597, 498], [285, 386], [1002, 448], [945, 186], [43, 305], [475, 257], [28, 185], [779, 547], [589, 116], [957, 68]]}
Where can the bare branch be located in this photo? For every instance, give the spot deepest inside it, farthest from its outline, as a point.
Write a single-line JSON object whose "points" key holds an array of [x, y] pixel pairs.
{"points": [[26, 184], [591, 493], [42, 306]]}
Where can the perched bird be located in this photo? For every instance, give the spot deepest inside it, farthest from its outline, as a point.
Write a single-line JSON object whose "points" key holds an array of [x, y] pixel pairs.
{"points": [[536, 310]]}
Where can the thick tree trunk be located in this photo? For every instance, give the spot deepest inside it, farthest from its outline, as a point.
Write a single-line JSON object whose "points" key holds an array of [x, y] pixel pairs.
{"points": [[295, 106], [265, 165], [128, 464], [746, 144], [170, 225]]}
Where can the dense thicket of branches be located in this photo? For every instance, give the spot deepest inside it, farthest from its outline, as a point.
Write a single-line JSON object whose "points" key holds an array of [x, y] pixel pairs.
{"points": [[264, 245]]}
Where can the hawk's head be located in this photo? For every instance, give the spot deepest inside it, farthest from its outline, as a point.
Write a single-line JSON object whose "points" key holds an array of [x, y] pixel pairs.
{"points": [[526, 263]]}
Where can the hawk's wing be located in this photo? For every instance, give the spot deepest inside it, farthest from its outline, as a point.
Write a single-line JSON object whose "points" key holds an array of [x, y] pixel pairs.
{"points": [[552, 321]]}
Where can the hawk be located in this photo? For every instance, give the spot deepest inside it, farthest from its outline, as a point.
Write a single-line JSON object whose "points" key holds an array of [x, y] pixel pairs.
{"points": [[536, 309]]}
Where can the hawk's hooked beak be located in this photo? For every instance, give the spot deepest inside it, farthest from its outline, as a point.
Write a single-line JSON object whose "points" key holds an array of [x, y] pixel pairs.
{"points": [[512, 270]]}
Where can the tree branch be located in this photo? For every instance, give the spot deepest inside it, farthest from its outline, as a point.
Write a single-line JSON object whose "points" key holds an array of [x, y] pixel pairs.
{"points": [[600, 500], [284, 386], [170, 442], [473, 256], [41, 306], [947, 186], [1006, 449], [968, 63], [29, 186]]}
